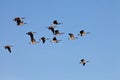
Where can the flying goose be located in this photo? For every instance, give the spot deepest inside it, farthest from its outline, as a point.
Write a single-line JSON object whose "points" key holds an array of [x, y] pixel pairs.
{"points": [[71, 36], [82, 33], [55, 22], [83, 61], [43, 39], [51, 28], [19, 21], [33, 41], [31, 34], [55, 40], [8, 47], [57, 32]]}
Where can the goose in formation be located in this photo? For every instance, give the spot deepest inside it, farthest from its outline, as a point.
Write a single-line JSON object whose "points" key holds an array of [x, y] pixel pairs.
{"points": [[57, 32], [43, 39], [33, 41], [55, 22], [55, 40], [19, 21], [83, 61], [8, 47], [51, 28], [82, 33], [31, 34], [72, 37]]}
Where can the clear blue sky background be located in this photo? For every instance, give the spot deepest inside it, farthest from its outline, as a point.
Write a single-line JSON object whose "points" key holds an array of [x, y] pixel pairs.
{"points": [[60, 61]]}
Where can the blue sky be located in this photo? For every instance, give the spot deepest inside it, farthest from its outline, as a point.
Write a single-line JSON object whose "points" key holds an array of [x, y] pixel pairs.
{"points": [[60, 61]]}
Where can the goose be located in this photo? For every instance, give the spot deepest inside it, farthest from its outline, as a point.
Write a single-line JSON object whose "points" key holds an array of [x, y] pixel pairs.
{"points": [[82, 33], [43, 39], [19, 21], [57, 32], [71, 36], [55, 40], [51, 28], [55, 22], [8, 47], [31, 34], [83, 61], [33, 41]]}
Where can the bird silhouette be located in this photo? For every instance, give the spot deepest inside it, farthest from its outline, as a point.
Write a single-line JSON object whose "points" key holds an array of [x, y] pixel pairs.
{"points": [[83, 61], [82, 33], [71, 36], [19, 21], [8, 47], [51, 28], [55, 40], [33, 41], [31, 34], [57, 32], [55, 22], [43, 39]]}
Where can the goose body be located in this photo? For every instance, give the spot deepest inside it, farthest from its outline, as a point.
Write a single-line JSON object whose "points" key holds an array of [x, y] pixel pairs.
{"points": [[83, 61], [51, 28], [83, 33], [44, 39], [8, 47], [71, 36], [33, 41], [57, 32], [55, 22], [19, 21], [55, 40]]}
